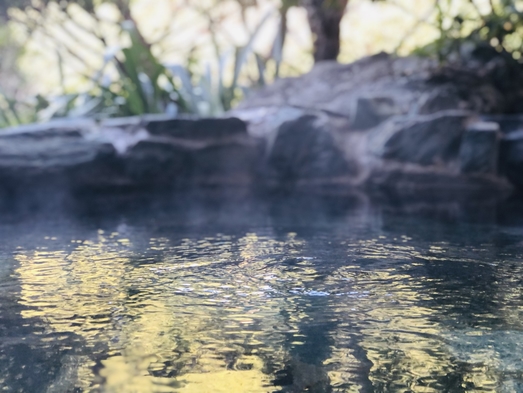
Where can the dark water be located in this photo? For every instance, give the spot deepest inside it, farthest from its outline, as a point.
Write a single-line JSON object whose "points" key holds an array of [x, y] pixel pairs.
{"points": [[294, 294]]}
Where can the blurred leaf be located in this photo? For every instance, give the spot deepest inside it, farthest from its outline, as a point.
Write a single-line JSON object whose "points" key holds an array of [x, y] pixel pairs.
{"points": [[142, 84], [187, 87], [242, 53]]}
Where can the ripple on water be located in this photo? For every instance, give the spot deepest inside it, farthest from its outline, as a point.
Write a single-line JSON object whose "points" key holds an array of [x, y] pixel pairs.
{"points": [[346, 310]]}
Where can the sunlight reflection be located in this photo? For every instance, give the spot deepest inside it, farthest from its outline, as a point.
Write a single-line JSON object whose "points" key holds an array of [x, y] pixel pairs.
{"points": [[257, 311]]}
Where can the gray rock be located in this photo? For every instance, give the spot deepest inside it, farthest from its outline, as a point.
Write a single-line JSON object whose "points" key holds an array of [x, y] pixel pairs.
{"points": [[335, 88], [512, 157], [153, 163], [305, 152], [439, 99], [200, 151], [264, 123], [415, 85], [395, 122], [371, 111], [383, 121], [49, 147], [479, 150], [424, 140], [231, 164], [198, 129], [131, 152], [507, 123]]}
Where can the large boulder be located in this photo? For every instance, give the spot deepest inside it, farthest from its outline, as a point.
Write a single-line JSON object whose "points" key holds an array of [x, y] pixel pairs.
{"points": [[388, 121], [375, 87], [304, 152], [425, 140]]}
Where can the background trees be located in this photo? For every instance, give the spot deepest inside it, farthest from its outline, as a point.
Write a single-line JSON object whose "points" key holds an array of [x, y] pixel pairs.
{"points": [[324, 20], [109, 62]]}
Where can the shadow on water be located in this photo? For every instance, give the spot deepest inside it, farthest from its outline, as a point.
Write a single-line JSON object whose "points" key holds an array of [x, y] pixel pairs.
{"points": [[235, 292]]}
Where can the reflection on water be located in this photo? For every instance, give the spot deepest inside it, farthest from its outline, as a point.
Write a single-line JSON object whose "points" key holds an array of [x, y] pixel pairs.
{"points": [[344, 301]]}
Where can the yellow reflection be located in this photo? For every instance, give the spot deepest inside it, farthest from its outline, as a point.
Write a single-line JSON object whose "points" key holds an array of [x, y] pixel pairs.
{"points": [[219, 380], [210, 313], [74, 292], [127, 377], [167, 326], [399, 335], [121, 376]]}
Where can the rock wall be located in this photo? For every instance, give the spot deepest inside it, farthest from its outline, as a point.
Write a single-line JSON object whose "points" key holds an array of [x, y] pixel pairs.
{"points": [[399, 124], [129, 153]]}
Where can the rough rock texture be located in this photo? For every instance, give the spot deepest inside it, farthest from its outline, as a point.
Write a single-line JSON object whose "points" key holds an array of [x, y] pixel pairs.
{"points": [[510, 162], [404, 125], [129, 153], [390, 86], [398, 123], [304, 151], [480, 149], [424, 140], [512, 157], [34, 149]]}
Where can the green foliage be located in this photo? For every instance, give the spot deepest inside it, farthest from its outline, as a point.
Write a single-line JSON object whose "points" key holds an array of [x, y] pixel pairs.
{"points": [[133, 81], [143, 85], [502, 28], [11, 80]]}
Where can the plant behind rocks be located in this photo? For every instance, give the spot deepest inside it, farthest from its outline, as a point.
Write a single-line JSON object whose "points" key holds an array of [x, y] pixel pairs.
{"points": [[132, 79]]}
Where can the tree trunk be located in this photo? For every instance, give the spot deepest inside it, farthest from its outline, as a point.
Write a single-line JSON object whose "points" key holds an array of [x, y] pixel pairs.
{"points": [[324, 20]]}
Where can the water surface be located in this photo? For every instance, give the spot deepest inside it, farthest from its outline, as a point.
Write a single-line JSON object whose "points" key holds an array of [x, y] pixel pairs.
{"points": [[287, 295]]}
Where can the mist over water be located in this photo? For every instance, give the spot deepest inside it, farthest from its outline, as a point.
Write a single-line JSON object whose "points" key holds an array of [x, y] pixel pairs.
{"points": [[289, 294]]}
